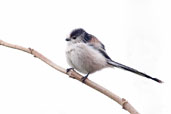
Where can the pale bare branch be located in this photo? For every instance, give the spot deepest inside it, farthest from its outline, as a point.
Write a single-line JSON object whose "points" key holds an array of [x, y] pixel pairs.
{"points": [[125, 104]]}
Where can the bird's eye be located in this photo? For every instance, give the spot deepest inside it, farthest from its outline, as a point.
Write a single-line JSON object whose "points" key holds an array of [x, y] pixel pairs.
{"points": [[74, 37]]}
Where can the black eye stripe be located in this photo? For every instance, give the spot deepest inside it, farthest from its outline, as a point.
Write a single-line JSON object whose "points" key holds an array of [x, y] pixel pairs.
{"points": [[87, 37]]}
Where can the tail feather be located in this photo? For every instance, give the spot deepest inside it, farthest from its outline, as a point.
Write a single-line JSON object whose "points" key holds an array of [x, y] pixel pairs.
{"points": [[118, 65]]}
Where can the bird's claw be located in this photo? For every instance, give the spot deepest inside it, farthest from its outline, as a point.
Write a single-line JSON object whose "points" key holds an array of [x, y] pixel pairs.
{"points": [[68, 69], [83, 79]]}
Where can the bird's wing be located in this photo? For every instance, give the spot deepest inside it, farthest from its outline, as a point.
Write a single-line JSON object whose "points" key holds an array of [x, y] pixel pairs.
{"points": [[96, 44], [94, 41]]}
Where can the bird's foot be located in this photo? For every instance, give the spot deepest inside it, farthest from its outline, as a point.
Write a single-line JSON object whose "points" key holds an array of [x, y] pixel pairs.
{"points": [[68, 69], [84, 78]]}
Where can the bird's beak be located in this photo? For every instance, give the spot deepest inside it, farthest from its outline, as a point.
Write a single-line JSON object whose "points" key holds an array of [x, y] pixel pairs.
{"points": [[68, 39]]}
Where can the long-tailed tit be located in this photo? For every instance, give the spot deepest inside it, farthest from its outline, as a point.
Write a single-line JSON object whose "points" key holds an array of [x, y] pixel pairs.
{"points": [[87, 54]]}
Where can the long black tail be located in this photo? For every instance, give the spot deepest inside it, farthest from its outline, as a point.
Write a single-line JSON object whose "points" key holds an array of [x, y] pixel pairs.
{"points": [[116, 64]]}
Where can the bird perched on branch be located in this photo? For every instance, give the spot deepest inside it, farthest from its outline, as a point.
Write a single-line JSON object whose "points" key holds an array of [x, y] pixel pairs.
{"points": [[87, 54]]}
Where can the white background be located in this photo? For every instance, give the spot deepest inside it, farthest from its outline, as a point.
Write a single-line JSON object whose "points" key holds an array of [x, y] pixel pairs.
{"points": [[135, 32]]}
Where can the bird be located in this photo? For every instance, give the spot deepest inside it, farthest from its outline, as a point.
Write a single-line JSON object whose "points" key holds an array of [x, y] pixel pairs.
{"points": [[87, 54]]}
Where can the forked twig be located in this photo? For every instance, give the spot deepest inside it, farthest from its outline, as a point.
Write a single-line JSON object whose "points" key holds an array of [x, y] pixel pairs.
{"points": [[125, 104]]}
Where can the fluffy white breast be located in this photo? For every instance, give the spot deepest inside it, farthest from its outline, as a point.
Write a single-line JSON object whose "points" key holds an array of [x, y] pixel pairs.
{"points": [[85, 58]]}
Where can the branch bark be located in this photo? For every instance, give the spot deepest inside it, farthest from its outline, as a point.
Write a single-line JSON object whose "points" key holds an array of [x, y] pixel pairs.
{"points": [[73, 74]]}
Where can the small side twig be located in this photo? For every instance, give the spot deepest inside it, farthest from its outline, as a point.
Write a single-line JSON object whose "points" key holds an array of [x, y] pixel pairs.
{"points": [[125, 104]]}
